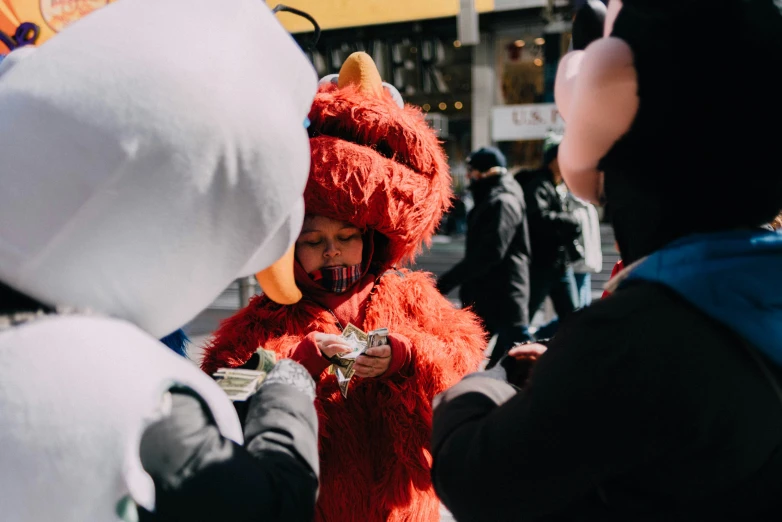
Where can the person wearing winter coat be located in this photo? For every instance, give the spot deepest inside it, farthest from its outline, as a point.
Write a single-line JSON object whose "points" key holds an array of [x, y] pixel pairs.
{"points": [[136, 186], [590, 254], [494, 274], [378, 186], [663, 400], [554, 233]]}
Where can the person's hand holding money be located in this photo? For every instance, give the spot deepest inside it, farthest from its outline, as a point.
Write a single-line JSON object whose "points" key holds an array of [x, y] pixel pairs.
{"points": [[331, 344], [374, 362]]}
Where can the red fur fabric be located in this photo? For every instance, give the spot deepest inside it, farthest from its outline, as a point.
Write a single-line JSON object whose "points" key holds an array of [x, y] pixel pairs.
{"points": [[374, 445], [378, 167]]}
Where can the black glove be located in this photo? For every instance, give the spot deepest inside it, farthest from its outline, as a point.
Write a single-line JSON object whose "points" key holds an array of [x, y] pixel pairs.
{"points": [[517, 372]]}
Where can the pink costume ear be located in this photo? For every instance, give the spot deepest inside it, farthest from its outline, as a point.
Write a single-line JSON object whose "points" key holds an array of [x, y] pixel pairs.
{"points": [[567, 73], [613, 9], [596, 93]]}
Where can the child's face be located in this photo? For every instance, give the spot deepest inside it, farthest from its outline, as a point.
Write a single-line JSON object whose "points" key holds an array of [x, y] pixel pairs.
{"points": [[326, 242]]}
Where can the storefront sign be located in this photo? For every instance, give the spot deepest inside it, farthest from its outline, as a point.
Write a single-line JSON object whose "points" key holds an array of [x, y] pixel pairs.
{"points": [[525, 122]]}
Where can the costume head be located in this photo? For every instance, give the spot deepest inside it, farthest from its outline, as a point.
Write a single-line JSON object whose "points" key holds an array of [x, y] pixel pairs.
{"points": [[375, 163], [689, 162], [142, 175]]}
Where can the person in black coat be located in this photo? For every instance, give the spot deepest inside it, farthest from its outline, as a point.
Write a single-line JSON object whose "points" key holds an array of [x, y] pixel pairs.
{"points": [[663, 400], [494, 274], [554, 233]]}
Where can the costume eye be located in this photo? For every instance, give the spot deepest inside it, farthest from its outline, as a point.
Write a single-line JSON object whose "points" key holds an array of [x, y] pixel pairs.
{"points": [[329, 78], [390, 89]]}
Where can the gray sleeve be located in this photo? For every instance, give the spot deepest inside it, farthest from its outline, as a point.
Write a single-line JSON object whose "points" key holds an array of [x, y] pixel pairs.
{"points": [[282, 418], [200, 475]]}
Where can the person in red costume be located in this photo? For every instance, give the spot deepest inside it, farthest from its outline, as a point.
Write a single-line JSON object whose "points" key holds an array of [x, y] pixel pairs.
{"points": [[378, 186]]}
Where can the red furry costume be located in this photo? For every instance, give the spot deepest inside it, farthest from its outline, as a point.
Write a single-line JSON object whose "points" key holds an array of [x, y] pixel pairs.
{"points": [[379, 167]]}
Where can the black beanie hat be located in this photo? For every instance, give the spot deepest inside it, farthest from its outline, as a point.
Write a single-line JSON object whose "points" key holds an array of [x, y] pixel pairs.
{"points": [[486, 158]]}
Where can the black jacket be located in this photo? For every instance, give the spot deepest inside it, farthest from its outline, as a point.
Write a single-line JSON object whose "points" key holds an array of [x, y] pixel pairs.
{"points": [[642, 409], [551, 229], [494, 274]]}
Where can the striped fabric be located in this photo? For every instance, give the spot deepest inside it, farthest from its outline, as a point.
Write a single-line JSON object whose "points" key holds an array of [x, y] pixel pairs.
{"points": [[337, 279]]}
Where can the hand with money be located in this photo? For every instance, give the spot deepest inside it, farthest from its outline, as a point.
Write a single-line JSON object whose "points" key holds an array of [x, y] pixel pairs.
{"points": [[331, 344], [239, 384], [367, 352], [373, 362]]}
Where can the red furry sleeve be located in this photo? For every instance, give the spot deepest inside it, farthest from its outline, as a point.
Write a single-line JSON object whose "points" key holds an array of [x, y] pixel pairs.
{"points": [[261, 323], [445, 344]]}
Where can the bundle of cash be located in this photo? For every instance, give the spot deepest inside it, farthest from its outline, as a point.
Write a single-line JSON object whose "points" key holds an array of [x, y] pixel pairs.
{"points": [[239, 384], [342, 364], [262, 360]]}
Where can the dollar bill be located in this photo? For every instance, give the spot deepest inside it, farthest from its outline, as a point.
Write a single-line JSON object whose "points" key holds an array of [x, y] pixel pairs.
{"points": [[239, 384], [343, 382], [356, 339], [263, 360], [342, 364], [377, 337]]}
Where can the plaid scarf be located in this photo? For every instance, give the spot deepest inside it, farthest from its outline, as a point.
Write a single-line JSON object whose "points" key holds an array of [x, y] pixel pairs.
{"points": [[337, 279]]}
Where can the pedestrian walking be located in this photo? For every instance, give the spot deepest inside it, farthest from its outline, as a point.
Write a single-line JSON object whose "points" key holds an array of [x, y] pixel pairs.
{"points": [[494, 274], [554, 238]]}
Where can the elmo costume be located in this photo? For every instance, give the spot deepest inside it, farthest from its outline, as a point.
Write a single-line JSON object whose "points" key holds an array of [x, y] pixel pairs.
{"points": [[377, 165]]}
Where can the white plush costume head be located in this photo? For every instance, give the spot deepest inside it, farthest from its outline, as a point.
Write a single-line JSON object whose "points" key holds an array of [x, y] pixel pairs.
{"points": [[153, 152]]}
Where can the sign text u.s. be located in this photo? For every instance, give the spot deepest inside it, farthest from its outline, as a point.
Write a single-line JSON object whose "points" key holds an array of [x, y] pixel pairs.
{"points": [[525, 122]]}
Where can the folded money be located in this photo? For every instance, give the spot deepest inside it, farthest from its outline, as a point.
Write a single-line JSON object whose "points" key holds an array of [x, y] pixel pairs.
{"points": [[342, 364], [262, 360], [239, 384]]}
